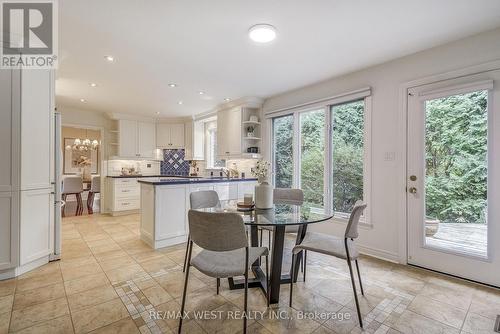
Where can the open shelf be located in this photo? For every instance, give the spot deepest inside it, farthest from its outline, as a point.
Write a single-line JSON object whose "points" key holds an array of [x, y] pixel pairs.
{"points": [[251, 122], [251, 138]]}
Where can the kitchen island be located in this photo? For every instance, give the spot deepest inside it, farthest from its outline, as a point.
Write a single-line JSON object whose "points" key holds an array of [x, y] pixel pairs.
{"points": [[165, 204]]}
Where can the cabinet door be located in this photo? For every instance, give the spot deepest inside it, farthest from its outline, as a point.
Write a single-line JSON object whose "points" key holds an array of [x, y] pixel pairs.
{"points": [[127, 137], [36, 125], [222, 133], [6, 128], [198, 140], [233, 131], [35, 225], [172, 211], [188, 141], [8, 230], [146, 133], [177, 135], [163, 135]]}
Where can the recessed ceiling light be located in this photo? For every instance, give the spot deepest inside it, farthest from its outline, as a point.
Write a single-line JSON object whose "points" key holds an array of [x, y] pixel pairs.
{"points": [[227, 99], [172, 85], [93, 84], [201, 92], [83, 100], [180, 102], [262, 33], [109, 58]]}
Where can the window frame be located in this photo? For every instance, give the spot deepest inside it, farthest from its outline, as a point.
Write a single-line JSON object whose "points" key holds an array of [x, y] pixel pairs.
{"points": [[210, 126], [328, 171]]}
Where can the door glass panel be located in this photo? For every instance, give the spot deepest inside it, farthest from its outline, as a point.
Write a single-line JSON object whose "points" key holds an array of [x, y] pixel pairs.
{"points": [[456, 173], [283, 151], [347, 156], [312, 158]]}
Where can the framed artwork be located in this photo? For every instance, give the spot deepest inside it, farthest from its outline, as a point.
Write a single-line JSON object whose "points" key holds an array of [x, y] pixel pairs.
{"points": [[71, 157]]}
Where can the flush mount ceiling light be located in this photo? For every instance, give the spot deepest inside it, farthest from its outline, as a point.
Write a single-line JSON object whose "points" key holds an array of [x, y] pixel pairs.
{"points": [[109, 58], [172, 85], [262, 33]]}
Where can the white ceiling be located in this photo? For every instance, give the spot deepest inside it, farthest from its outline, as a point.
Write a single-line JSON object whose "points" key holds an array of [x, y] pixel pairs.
{"points": [[203, 45]]}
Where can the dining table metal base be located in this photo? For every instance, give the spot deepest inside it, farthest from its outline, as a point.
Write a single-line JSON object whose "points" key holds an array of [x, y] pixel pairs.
{"points": [[276, 277]]}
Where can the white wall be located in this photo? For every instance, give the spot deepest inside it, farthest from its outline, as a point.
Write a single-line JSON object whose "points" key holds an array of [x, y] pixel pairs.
{"points": [[388, 191]]}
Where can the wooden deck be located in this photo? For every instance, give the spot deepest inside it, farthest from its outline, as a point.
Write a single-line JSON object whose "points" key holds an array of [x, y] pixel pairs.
{"points": [[464, 238]]}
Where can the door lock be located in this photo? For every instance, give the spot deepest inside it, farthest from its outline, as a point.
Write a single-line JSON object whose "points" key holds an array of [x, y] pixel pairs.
{"points": [[412, 190], [413, 178]]}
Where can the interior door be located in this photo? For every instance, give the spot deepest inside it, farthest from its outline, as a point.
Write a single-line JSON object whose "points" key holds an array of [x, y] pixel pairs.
{"points": [[453, 177]]}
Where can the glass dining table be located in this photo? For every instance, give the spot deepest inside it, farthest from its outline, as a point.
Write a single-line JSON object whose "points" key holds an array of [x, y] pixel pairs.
{"points": [[278, 217]]}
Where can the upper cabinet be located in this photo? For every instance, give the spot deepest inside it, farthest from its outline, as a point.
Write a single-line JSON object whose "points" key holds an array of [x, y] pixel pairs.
{"points": [[170, 136], [136, 139], [239, 132], [195, 140]]}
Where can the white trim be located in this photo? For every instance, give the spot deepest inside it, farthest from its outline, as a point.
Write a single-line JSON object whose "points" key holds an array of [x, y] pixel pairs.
{"points": [[456, 89], [357, 94], [378, 253]]}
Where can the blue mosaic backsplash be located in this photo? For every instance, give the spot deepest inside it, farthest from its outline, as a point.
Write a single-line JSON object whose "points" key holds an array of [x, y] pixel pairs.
{"points": [[174, 164]]}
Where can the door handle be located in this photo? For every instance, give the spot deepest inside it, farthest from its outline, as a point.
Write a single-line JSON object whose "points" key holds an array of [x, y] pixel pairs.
{"points": [[412, 190]]}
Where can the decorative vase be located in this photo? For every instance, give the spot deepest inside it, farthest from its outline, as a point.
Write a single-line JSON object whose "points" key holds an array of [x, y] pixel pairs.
{"points": [[264, 196]]}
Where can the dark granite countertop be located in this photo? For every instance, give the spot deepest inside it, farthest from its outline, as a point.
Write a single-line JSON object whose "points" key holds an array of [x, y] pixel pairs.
{"points": [[143, 176], [158, 181]]}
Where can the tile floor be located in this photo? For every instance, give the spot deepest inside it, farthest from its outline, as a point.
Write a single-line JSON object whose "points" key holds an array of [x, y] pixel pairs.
{"points": [[108, 281]]}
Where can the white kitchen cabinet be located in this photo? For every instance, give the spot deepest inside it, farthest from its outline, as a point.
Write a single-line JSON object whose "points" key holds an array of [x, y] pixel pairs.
{"points": [[26, 199], [6, 131], [8, 229], [227, 191], [170, 136], [125, 195], [246, 188], [136, 139], [146, 144], [35, 232], [195, 140], [229, 132]]}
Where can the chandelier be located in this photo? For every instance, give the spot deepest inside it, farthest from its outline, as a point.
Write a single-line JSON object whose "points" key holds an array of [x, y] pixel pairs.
{"points": [[84, 144]]}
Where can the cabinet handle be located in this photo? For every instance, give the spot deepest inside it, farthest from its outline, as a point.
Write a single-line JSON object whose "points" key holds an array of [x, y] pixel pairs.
{"points": [[125, 191], [125, 203]]}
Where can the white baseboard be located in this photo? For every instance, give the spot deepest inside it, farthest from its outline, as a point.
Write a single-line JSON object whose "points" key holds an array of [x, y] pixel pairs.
{"points": [[378, 253]]}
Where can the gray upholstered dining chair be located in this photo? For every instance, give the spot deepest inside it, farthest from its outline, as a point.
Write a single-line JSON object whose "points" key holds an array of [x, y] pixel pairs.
{"points": [[95, 188], [286, 196], [225, 253], [73, 185], [342, 248], [202, 199]]}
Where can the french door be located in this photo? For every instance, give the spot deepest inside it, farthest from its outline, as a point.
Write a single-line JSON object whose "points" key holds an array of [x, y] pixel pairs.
{"points": [[453, 177]]}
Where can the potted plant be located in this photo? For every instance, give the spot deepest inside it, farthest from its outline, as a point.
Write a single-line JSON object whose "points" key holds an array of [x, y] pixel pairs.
{"points": [[431, 226], [263, 191]]}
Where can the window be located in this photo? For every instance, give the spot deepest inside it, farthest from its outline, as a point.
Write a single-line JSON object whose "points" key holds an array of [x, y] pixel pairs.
{"points": [[283, 151], [331, 143], [211, 146], [347, 138]]}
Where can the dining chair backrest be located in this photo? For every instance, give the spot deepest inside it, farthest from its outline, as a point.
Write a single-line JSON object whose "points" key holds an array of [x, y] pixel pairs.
{"points": [[218, 232], [95, 185], [72, 185], [204, 199], [351, 230], [288, 196]]}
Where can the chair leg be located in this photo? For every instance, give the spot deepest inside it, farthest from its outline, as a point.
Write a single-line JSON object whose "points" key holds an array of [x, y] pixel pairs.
{"points": [[245, 307], [186, 278], [291, 279], [90, 203], [359, 277], [79, 205], [186, 256], [218, 285], [305, 264], [355, 293], [268, 290]]}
